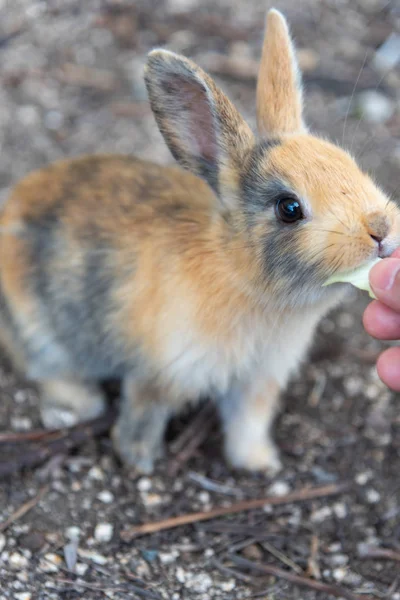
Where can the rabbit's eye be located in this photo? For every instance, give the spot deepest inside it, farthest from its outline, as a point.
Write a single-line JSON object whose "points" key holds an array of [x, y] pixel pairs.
{"points": [[288, 209]]}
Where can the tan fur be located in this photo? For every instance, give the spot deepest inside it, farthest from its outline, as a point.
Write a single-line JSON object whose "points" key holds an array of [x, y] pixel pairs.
{"points": [[115, 267], [279, 99]]}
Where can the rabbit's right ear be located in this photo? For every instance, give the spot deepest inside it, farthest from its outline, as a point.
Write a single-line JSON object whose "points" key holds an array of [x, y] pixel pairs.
{"points": [[203, 130]]}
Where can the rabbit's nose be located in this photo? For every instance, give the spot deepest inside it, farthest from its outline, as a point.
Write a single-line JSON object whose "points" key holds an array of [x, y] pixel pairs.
{"points": [[377, 226]]}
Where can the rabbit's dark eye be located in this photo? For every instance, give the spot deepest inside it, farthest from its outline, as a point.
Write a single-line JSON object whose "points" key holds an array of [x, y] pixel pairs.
{"points": [[288, 209]]}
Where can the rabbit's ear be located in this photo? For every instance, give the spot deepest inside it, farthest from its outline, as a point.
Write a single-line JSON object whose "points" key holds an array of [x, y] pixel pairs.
{"points": [[203, 130], [279, 94]]}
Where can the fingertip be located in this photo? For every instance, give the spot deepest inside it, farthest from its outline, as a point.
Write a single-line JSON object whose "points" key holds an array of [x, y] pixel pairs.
{"points": [[388, 367]]}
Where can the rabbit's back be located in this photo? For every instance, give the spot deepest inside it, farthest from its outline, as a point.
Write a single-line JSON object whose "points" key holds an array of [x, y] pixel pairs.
{"points": [[73, 235]]}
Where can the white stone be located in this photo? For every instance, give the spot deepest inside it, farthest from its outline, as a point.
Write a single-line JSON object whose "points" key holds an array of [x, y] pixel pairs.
{"points": [[227, 586], [321, 514], [50, 563], [105, 496], [373, 496], [81, 568], [339, 560], [17, 561], [339, 574], [73, 533], [96, 473], [98, 559], [340, 510], [204, 497], [3, 542], [166, 558], [144, 484], [364, 477], [21, 423], [199, 583], [279, 488], [103, 532], [375, 107], [180, 575], [23, 596]]}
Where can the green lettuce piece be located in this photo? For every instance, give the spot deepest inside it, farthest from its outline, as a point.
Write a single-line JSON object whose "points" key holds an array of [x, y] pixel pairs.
{"points": [[358, 277]]}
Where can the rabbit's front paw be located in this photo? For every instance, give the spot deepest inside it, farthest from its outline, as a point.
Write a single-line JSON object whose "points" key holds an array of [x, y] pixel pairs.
{"points": [[134, 450], [66, 403], [258, 456]]}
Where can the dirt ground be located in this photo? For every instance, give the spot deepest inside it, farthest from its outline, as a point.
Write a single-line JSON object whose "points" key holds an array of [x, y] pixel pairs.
{"points": [[71, 83]]}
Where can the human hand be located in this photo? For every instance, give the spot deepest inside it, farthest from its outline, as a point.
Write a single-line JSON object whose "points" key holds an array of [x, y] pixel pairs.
{"points": [[382, 316]]}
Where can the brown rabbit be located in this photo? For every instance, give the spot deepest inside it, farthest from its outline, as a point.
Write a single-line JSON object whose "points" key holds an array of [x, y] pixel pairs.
{"points": [[187, 285]]}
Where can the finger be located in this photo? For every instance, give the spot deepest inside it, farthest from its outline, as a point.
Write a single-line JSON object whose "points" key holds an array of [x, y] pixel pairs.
{"points": [[382, 322], [388, 366], [385, 282]]}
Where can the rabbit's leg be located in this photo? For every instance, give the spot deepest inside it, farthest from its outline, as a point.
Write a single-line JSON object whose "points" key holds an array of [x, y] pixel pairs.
{"points": [[248, 414], [139, 431], [66, 402]]}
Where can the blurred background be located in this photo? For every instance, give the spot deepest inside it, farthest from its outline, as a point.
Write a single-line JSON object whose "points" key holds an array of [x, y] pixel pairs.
{"points": [[71, 82], [71, 72]]}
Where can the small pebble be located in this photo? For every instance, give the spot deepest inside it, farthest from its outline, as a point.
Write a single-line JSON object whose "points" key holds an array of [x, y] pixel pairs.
{"points": [[98, 559], [103, 532], [21, 423], [17, 561], [166, 558], [339, 560], [73, 533], [180, 575], [353, 385], [151, 499], [50, 563], [227, 586], [340, 510], [339, 574], [23, 596], [373, 496], [204, 497], [279, 488], [318, 516], [364, 477], [375, 107], [105, 496], [96, 473], [199, 583], [3, 542], [81, 568], [144, 484]]}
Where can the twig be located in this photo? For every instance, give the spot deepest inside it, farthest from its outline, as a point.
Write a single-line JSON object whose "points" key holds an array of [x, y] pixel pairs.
{"points": [[228, 571], [333, 590], [79, 583], [245, 505], [282, 557], [313, 566], [145, 593], [213, 486], [191, 438], [38, 435], [24, 508], [73, 437], [380, 553], [317, 390], [205, 413]]}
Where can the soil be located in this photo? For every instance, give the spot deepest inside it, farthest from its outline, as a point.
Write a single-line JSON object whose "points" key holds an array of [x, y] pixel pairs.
{"points": [[71, 83]]}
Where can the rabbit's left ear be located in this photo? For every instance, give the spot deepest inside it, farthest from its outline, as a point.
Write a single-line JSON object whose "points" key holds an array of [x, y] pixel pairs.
{"points": [[203, 130], [279, 94]]}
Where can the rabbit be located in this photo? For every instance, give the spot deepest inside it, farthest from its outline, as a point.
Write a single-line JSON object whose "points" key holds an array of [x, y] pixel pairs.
{"points": [[191, 281]]}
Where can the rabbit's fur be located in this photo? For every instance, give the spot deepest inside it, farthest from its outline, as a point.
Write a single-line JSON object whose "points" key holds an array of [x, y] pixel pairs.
{"points": [[186, 285]]}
